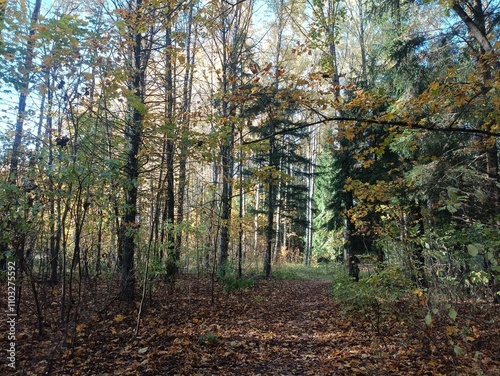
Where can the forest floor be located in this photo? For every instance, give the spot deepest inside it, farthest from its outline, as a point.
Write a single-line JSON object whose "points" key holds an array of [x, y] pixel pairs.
{"points": [[275, 327]]}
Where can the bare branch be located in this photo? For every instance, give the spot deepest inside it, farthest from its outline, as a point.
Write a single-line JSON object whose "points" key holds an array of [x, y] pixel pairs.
{"points": [[400, 124]]}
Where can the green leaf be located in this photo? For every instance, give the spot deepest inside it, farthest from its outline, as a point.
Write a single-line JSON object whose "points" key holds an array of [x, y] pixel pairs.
{"points": [[428, 319], [474, 249], [452, 313], [458, 350], [136, 103]]}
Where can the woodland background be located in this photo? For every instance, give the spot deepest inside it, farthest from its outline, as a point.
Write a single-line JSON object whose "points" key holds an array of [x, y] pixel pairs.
{"points": [[146, 141]]}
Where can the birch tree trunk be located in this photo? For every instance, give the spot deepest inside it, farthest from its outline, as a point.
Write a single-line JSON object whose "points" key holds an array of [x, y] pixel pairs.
{"points": [[310, 197]]}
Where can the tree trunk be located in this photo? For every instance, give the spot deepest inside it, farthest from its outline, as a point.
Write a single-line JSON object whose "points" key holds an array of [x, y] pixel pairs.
{"points": [[133, 133], [11, 229], [349, 229], [361, 31], [419, 276], [184, 144], [232, 38], [173, 254], [226, 198], [278, 208], [310, 199], [270, 206], [128, 226], [256, 221], [241, 211]]}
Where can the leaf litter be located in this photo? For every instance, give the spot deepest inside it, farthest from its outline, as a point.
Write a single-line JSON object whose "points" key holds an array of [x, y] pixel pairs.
{"points": [[277, 327]]}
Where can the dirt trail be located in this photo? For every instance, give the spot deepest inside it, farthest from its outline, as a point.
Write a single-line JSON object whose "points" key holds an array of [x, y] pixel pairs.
{"points": [[292, 330], [278, 327]]}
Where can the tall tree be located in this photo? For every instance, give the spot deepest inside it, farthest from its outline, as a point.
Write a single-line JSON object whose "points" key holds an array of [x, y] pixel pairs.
{"points": [[169, 210], [231, 48], [186, 107], [328, 15], [9, 229], [138, 60]]}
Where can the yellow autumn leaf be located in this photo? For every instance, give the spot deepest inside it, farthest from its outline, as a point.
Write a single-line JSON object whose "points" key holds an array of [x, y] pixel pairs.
{"points": [[80, 327], [79, 351], [450, 330], [434, 88], [434, 85], [119, 318], [368, 163], [268, 335], [418, 292]]}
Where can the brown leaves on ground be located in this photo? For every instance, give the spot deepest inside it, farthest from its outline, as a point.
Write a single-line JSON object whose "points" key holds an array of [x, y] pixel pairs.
{"points": [[278, 327]]}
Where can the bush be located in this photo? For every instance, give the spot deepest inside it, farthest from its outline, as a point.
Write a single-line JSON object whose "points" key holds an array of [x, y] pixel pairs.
{"points": [[233, 283], [386, 286]]}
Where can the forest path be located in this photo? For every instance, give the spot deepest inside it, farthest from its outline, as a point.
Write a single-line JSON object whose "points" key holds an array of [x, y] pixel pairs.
{"points": [[280, 327], [277, 327], [293, 329]]}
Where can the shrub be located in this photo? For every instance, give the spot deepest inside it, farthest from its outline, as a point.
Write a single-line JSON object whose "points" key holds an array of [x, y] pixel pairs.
{"points": [[388, 285]]}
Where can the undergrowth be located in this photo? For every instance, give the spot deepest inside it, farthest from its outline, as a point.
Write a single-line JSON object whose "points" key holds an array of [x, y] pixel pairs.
{"points": [[387, 286], [383, 299], [301, 272], [233, 283]]}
